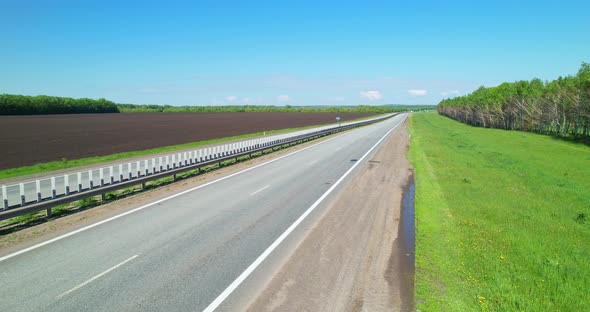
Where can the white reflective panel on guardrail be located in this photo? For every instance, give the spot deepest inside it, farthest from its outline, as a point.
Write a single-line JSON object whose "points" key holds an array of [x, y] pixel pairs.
{"points": [[13, 195]]}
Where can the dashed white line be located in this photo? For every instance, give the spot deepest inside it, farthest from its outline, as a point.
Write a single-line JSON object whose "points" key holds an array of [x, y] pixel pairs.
{"points": [[162, 200], [260, 190], [95, 277]]}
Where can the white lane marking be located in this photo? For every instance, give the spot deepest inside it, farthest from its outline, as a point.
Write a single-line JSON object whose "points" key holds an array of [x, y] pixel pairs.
{"points": [[276, 243], [160, 200], [313, 162], [260, 190], [95, 277]]}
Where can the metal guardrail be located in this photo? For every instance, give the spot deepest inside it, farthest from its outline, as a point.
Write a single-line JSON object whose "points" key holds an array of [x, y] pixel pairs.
{"points": [[124, 175]]}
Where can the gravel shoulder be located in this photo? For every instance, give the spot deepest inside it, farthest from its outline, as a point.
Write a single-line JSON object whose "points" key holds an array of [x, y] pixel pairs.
{"points": [[351, 260]]}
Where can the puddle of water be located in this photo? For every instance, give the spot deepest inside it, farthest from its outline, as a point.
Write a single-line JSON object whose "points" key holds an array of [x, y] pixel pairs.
{"points": [[406, 245], [407, 226]]}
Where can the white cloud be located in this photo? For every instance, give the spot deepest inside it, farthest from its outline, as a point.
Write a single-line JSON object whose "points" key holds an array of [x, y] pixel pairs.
{"points": [[231, 98], [417, 92], [372, 95], [283, 98], [450, 93]]}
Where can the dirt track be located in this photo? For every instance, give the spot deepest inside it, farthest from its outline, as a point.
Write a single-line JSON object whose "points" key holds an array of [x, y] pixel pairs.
{"points": [[27, 140], [352, 259]]}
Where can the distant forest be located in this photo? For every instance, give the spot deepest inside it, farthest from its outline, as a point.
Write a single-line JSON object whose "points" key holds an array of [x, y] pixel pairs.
{"points": [[11, 104], [44, 105], [560, 107], [132, 108]]}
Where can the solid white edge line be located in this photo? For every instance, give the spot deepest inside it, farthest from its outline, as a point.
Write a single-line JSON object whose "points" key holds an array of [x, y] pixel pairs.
{"points": [[95, 277], [160, 200], [260, 190], [215, 304]]}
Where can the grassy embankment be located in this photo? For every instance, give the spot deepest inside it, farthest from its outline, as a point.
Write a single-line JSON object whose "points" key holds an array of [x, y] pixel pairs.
{"points": [[502, 219]]}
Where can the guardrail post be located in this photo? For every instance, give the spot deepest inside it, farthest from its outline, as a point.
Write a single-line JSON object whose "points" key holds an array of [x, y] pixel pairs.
{"points": [[153, 165], [5, 197], [90, 180], [66, 184], [174, 161], [129, 172], [120, 172], [145, 165], [112, 174], [79, 180], [161, 164], [38, 188], [138, 169], [53, 192], [101, 173], [23, 200]]}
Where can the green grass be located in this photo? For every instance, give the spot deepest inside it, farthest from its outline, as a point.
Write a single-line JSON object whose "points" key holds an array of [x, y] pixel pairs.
{"points": [[66, 164], [502, 219]]}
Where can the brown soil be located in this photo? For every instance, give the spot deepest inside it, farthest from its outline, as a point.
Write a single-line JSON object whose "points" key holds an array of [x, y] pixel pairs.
{"points": [[28, 140], [351, 260]]}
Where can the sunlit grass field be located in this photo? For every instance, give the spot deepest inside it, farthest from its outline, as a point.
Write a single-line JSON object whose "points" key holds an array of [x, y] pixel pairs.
{"points": [[502, 219]]}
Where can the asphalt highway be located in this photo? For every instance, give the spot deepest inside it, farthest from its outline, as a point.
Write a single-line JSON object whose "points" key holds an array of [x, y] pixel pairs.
{"points": [[182, 253]]}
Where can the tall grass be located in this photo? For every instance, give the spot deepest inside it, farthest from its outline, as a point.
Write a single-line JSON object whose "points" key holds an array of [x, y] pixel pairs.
{"points": [[501, 219]]}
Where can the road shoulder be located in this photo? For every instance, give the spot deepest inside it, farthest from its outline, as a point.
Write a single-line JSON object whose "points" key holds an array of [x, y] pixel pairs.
{"points": [[351, 260]]}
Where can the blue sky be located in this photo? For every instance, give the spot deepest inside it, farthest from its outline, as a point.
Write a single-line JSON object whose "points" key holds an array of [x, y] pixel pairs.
{"points": [[285, 52]]}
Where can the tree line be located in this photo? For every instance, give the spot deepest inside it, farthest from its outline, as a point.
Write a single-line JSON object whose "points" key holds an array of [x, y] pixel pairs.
{"points": [[560, 107], [133, 108], [11, 104]]}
